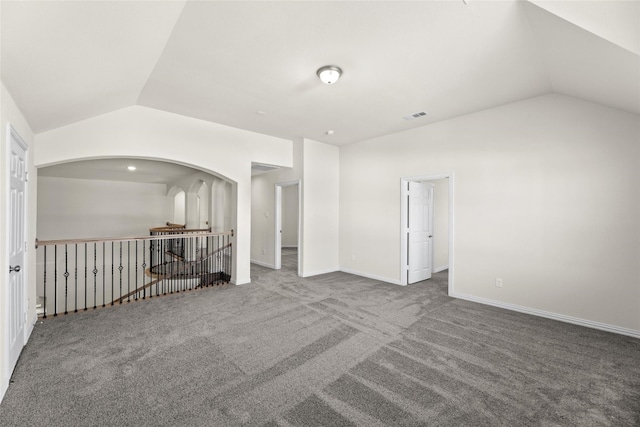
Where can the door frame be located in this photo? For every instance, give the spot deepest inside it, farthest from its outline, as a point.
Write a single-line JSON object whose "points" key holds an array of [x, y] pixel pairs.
{"points": [[278, 224], [403, 223], [13, 135]]}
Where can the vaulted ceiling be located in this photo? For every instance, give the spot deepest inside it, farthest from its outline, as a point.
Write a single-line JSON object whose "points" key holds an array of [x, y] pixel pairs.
{"points": [[252, 65]]}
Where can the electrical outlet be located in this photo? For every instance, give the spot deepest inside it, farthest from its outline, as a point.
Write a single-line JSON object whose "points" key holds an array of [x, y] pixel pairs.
{"points": [[264, 252], [498, 282], [353, 257]]}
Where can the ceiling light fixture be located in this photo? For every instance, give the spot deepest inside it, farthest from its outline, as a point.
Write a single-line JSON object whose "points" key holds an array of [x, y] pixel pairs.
{"points": [[131, 168], [329, 74]]}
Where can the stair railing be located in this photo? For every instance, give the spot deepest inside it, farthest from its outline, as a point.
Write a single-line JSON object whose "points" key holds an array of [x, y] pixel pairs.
{"points": [[79, 274]]}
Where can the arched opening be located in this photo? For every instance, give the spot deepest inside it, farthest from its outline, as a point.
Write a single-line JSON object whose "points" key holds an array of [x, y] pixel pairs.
{"points": [[114, 214]]}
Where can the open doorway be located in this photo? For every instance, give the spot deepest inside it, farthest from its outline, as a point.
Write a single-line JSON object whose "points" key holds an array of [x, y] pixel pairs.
{"points": [[427, 228], [287, 226]]}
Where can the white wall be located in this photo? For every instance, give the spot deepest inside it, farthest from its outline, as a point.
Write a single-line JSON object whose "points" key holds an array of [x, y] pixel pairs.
{"points": [[141, 132], [192, 210], [9, 113], [290, 216], [547, 197], [179, 208], [320, 198], [204, 205], [82, 208], [440, 224], [220, 206]]}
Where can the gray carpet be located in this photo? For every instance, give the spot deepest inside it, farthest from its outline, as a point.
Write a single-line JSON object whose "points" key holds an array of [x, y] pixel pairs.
{"points": [[332, 350]]}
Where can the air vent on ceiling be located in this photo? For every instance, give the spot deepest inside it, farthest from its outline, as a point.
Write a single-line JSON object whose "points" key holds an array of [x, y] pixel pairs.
{"points": [[415, 115]]}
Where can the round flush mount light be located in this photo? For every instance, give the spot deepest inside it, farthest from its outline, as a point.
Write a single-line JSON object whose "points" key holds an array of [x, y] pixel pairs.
{"points": [[329, 74], [131, 168]]}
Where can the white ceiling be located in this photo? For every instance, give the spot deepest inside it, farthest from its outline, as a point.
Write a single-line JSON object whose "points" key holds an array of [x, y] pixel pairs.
{"points": [[585, 65], [64, 61], [223, 61]]}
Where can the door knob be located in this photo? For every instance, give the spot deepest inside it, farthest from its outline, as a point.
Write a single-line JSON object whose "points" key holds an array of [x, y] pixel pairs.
{"points": [[12, 269]]}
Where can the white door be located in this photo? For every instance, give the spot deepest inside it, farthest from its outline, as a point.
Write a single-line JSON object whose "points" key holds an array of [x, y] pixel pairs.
{"points": [[420, 231], [17, 308]]}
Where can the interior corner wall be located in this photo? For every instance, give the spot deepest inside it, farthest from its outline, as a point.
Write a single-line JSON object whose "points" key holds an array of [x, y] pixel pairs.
{"points": [[263, 207], [83, 208], [547, 197], [11, 114], [320, 206], [316, 165]]}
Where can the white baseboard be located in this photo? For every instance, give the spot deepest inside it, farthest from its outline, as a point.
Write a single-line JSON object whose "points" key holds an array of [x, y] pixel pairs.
{"points": [[30, 326], [29, 329], [233, 282], [550, 315], [263, 264], [319, 272], [439, 269], [3, 388], [371, 276]]}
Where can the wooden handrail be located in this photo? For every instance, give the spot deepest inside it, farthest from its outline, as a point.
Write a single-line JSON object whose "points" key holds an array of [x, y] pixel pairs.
{"points": [[168, 227], [177, 230], [115, 239], [170, 224]]}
